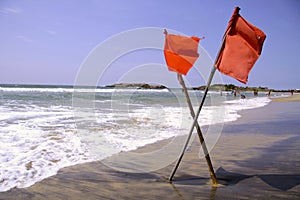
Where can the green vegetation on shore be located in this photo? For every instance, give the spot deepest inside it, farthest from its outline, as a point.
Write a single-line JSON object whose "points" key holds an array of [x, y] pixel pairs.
{"points": [[230, 87], [215, 87]]}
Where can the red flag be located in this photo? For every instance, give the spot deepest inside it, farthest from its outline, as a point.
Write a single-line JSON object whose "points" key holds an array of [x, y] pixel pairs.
{"points": [[242, 47], [181, 52]]}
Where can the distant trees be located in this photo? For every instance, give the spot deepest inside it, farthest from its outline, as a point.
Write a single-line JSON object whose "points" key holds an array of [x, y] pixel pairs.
{"points": [[229, 87]]}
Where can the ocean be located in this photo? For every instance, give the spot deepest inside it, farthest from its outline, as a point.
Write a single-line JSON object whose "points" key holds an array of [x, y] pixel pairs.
{"points": [[46, 128]]}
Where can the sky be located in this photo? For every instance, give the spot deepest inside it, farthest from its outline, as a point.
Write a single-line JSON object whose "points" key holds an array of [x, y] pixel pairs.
{"points": [[47, 42]]}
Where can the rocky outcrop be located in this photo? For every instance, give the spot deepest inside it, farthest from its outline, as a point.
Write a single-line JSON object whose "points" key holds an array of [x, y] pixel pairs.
{"points": [[136, 85]]}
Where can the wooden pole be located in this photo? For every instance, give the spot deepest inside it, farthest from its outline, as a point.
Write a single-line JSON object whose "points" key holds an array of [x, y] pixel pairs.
{"points": [[212, 174], [214, 180], [232, 20], [200, 135]]}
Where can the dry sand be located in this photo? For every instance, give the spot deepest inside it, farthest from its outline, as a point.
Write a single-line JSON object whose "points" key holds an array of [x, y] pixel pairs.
{"points": [[256, 157], [295, 97]]}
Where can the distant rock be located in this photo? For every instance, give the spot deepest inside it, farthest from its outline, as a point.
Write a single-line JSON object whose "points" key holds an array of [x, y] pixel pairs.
{"points": [[136, 85]]}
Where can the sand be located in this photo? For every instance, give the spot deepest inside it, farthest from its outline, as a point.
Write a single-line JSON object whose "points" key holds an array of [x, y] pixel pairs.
{"points": [[256, 157], [292, 98]]}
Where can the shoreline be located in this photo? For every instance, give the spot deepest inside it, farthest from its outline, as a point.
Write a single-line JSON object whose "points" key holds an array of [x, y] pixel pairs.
{"points": [[292, 98], [247, 159]]}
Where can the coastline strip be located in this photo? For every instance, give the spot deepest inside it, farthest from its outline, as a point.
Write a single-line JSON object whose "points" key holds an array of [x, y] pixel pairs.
{"points": [[292, 98]]}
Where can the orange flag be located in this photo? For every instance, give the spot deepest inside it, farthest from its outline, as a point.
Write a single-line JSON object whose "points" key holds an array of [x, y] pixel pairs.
{"points": [[181, 52], [242, 47]]}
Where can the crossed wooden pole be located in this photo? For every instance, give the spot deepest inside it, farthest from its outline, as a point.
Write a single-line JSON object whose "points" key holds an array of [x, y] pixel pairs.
{"points": [[201, 138]]}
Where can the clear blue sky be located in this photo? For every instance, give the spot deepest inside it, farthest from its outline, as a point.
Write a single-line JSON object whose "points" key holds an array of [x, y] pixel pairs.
{"points": [[45, 42]]}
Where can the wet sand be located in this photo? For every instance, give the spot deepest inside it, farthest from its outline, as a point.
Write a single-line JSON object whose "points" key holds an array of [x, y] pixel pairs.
{"points": [[256, 157]]}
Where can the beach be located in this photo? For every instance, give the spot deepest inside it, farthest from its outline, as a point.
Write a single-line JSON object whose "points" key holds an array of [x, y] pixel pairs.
{"points": [[256, 157], [140, 100]]}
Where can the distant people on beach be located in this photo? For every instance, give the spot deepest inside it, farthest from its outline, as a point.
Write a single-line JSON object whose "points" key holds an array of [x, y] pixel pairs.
{"points": [[243, 96], [292, 92], [255, 93], [234, 93], [269, 93]]}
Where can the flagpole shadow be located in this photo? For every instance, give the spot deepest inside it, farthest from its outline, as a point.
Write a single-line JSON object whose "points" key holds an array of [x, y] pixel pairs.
{"points": [[229, 178], [282, 182], [224, 178], [187, 179]]}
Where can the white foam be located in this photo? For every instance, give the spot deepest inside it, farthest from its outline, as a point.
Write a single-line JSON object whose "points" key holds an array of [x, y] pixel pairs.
{"points": [[26, 89], [36, 144], [79, 90], [131, 130], [249, 103]]}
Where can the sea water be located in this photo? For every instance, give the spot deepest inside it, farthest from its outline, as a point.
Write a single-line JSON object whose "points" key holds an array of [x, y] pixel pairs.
{"points": [[44, 128]]}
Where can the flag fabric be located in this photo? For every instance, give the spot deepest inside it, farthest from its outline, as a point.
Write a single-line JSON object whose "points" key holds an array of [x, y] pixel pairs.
{"points": [[241, 48], [181, 52]]}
